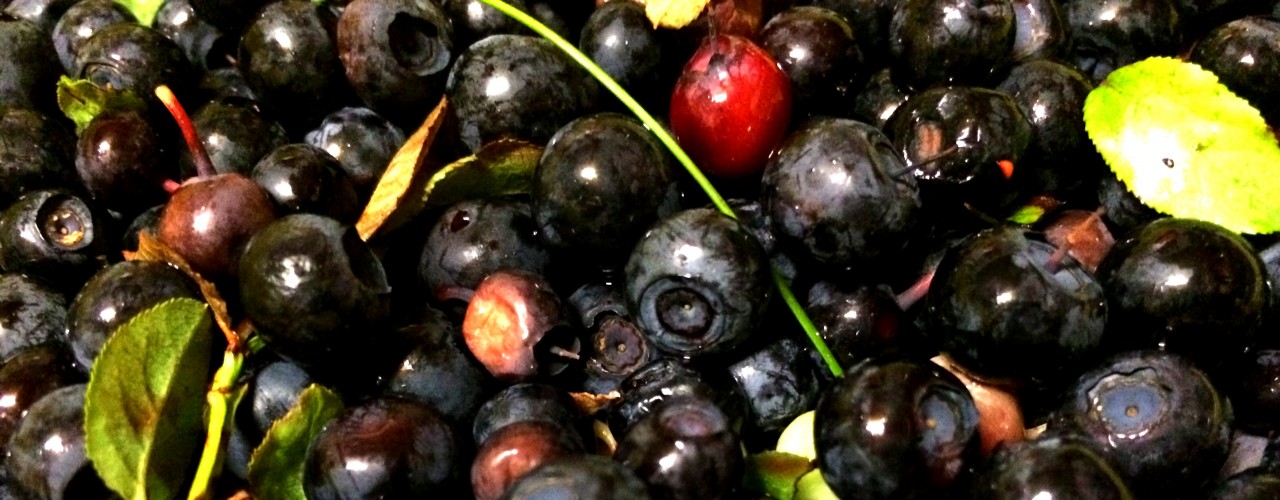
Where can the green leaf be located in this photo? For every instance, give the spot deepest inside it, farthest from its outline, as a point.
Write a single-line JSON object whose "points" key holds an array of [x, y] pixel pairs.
{"points": [[775, 473], [145, 400], [812, 486], [275, 469], [143, 10], [499, 168], [81, 101], [1187, 146], [1027, 215]]}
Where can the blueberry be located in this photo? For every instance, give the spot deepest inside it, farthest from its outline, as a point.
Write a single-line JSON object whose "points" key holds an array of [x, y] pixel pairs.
{"points": [[697, 283], [895, 428], [132, 57], [579, 476], [837, 189], [440, 371], [31, 314], [1244, 56], [1251, 484], [856, 322], [1155, 417], [619, 37], [80, 22], [36, 152], [819, 52], [521, 403], [274, 391], [30, 65], [1040, 30], [685, 449], [46, 457], [473, 239], [1108, 34], [204, 45], [299, 81], [950, 41], [301, 178], [363, 142], [1050, 467], [28, 376], [54, 235], [514, 450], [651, 386], [236, 134], [778, 383]]}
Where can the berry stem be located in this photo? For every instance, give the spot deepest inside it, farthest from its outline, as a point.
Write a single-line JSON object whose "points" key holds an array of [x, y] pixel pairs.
{"points": [[658, 130], [204, 167], [917, 291], [222, 398]]}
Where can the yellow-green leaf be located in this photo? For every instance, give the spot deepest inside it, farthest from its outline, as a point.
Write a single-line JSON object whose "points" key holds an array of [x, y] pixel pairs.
{"points": [[673, 14], [499, 168], [276, 467], [145, 399], [143, 10], [1186, 146], [81, 100], [775, 473]]}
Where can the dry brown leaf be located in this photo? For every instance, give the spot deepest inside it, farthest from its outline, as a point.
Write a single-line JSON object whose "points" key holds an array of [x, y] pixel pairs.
{"points": [[391, 203], [590, 404], [673, 14], [151, 248]]}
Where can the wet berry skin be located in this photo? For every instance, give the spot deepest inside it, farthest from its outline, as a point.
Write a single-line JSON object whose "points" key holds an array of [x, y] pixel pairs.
{"points": [[301, 178], [1108, 34], [316, 294], [522, 403], [236, 134], [53, 235], [30, 65], [837, 189], [516, 86], [1062, 467], [123, 161], [895, 428], [651, 386], [698, 283], [625, 44], [362, 141], [303, 80], [1005, 309], [31, 314], [857, 322], [514, 450], [132, 57], [1244, 55], [30, 375], [950, 41], [819, 52], [80, 22], [730, 107], [46, 457], [1154, 416], [685, 449], [1189, 286], [579, 476], [601, 182], [209, 220], [440, 371], [1254, 388], [383, 448], [778, 383], [473, 239], [37, 151]]}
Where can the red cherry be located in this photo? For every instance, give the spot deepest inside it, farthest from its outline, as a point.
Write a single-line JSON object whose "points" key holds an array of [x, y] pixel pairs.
{"points": [[731, 106]]}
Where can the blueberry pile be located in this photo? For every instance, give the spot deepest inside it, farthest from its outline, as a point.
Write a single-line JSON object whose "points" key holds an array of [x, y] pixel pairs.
{"points": [[606, 330]]}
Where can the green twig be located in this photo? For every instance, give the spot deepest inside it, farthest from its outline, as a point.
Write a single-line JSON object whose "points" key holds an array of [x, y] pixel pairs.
{"points": [[220, 398], [658, 130]]}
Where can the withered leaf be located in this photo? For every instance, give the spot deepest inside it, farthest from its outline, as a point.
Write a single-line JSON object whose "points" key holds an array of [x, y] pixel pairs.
{"points": [[151, 248], [391, 203], [590, 404], [674, 14]]}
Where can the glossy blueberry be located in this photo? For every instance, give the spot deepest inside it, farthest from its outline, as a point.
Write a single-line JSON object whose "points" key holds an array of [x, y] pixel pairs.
{"points": [[274, 391], [856, 322], [1006, 308], [1185, 285], [601, 182], [516, 86], [473, 239], [895, 428], [870, 20], [54, 235], [361, 140], [1123, 211], [619, 37], [440, 371], [1052, 467], [1245, 57], [514, 450], [778, 383], [30, 65], [1108, 34], [876, 102], [301, 81], [579, 476], [304, 179], [837, 189], [523, 403], [36, 152], [651, 386], [1040, 30], [397, 54], [954, 139], [132, 57], [384, 447], [114, 296], [236, 134], [44, 13], [31, 314], [204, 45], [317, 294], [950, 41], [27, 376], [698, 282], [1060, 161], [123, 161], [685, 449], [474, 20], [46, 456], [1154, 416], [1254, 388], [819, 52], [80, 22]]}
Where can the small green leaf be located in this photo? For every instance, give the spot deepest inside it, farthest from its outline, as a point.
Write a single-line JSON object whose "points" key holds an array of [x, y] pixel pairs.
{"points": [[1187, 146], [145, 399], [775, 473], [275, 469], [812, 486], [143, 10], [1027, 215], [81, 101], [499, 168]]}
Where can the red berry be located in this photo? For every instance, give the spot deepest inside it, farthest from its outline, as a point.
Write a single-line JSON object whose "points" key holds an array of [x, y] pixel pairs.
{"points": [[731, 106]]}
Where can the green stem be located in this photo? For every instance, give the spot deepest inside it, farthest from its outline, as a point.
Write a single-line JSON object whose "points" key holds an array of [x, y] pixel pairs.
{"points": [[220, 398], [670, 142]]}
